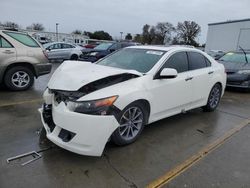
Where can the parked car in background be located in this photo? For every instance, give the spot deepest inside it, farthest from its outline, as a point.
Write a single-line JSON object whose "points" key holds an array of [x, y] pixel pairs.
{"points": [[21, 59], [237, 65], [216, 54], [102, 50], [87, 104], [63, 51]]}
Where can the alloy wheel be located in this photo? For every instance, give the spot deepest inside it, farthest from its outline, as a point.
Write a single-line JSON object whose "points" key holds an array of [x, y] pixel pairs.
{"points": [[20, 79], [131, 123], [214, 97]]}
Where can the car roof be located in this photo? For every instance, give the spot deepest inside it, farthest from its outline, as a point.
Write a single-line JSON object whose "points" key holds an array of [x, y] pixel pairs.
{"points": [[162, 48], [13, 31], [50, 43]]}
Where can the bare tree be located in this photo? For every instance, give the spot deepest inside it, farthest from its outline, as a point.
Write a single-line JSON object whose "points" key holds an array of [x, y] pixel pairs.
{"points": [[36, 26], [77, 32], [163, 32], [11, 25], [187, 32]]}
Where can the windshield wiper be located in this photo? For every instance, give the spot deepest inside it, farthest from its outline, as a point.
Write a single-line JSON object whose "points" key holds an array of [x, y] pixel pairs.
{"points": [[244, 54]]}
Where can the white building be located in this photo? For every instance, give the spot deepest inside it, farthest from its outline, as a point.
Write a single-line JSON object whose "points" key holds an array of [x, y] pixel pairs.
{"points": [[229, 35], [44, 36]]}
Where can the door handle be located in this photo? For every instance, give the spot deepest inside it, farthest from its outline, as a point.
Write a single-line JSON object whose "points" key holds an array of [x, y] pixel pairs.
{"points": [[189, 78], [8, 52], [210, 72]]}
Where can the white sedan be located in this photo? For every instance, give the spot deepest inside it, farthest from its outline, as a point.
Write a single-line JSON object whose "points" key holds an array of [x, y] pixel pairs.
{"points": [[86, 104]]}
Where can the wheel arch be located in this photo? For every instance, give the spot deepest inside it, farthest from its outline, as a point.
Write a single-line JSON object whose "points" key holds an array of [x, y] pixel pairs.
{"points": [[24, 64]]}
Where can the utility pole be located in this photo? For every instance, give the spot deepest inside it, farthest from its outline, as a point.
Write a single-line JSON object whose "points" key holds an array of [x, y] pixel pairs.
{"points": [[121, 35], [57, 31]]}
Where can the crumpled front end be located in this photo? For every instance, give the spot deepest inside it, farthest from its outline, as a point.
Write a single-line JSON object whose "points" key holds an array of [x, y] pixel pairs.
{"points": [[80, 133]]}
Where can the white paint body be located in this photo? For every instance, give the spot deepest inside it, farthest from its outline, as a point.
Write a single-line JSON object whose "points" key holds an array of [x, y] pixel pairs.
{"points": [[166, 97]]}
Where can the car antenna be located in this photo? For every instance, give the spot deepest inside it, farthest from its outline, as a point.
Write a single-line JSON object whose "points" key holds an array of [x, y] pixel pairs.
{"points": [[244, 53]]}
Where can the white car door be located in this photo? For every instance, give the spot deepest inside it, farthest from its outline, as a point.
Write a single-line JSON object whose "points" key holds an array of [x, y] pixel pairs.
{"points": [[54, 51], [171, 96], [201, 72]]}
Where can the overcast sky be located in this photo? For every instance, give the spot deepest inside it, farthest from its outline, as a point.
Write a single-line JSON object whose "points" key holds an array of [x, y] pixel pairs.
{"points": [[114, 16]]}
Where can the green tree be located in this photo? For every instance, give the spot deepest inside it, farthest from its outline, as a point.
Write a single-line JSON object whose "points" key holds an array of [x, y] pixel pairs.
{"points": [[128, 36], [187, 32], [101, 35], [138, 38], [146, 39]]}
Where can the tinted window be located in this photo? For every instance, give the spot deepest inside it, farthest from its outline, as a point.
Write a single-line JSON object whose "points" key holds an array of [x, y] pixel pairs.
{"points": [[178, 61], [208, 62], [67, 46], [103, 46], [196, 61], [23, 38], [235, 57], [55, 46], [115, 46], [4, 43]]}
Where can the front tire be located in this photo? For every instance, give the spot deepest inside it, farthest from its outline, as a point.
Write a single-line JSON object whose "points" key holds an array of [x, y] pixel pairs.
{"points": [[213, 98], [132, 120], [19, 78]]}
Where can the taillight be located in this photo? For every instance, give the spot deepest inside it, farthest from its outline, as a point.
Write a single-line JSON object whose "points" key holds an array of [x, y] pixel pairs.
{"points": [[45, 53]]}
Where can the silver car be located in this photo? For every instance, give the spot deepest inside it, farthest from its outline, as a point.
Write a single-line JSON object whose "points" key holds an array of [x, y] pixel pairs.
{"points": [[62, 51], [21, 59]]}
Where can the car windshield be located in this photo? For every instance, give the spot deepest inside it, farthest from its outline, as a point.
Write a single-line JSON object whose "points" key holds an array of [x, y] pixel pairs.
{"points": [[103, 46], [141, 60], [235, 57], [47, 45]]}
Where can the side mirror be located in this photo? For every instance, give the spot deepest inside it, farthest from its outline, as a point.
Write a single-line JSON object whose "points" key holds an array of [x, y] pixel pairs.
{"points": [[168, 73], [112, 50]]}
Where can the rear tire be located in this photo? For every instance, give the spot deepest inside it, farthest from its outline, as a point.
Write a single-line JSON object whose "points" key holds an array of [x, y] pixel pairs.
{"points": [[213, 98], [74, 57], [132, 120], [19, 78]]}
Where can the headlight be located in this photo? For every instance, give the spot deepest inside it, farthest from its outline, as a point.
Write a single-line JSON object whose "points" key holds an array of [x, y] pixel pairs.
{"points": [[243, 72], [95, 107], [93, 53]]}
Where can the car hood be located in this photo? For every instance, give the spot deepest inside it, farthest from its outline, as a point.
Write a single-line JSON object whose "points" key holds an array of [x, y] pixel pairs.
{"points": [[72, 75], [230, 66]]}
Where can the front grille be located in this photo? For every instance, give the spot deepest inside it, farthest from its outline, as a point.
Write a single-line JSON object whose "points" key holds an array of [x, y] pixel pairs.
{"points": [[47, 116]]}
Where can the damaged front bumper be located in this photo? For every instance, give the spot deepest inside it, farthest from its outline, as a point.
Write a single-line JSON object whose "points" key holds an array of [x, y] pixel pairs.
{"points": [[80, 133]]}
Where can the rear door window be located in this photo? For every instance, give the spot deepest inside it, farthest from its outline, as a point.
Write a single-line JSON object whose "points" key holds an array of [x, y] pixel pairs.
{"points": [[23, 38], [4, 43], [178, 61], [56, 46], [196, 61], [67, 46]]}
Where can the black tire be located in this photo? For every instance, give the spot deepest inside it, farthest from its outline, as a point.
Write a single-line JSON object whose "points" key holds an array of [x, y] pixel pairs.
{"points": [[213, 98], [117, 137], [19, 83], [74, 57]]}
